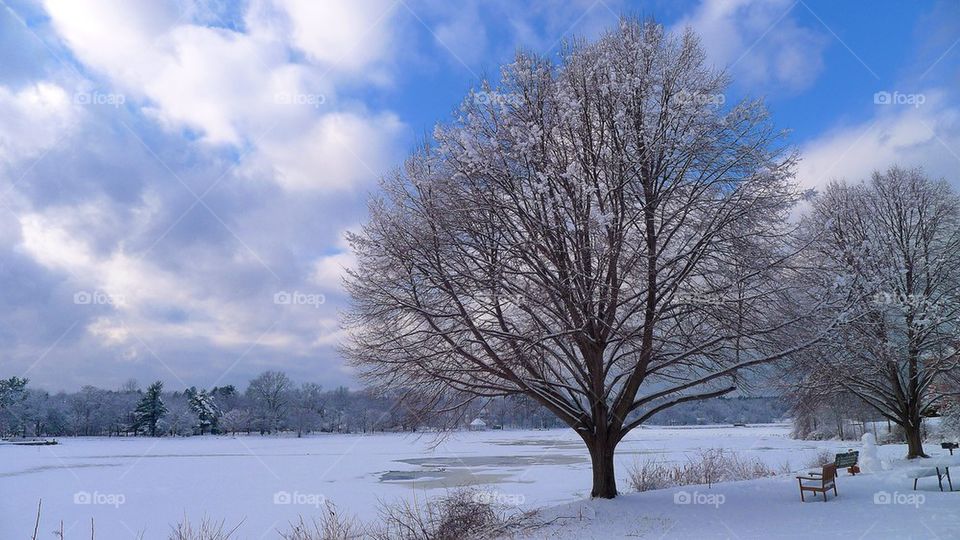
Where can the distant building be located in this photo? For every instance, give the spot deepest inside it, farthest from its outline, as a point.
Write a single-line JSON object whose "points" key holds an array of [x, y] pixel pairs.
{"points": [[478, 425]]}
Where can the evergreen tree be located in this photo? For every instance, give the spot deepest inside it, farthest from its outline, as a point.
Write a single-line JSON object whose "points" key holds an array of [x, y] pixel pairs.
{"points": [[12, 390], [150, 409], [203, 405]]}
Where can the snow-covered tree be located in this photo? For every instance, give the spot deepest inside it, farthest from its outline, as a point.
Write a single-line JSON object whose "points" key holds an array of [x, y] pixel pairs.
{"points": [[892, 245], [204, 407], [150, 409], [950, 420], [307, 408], [12, 392], [336, 407], [180, 420], [270, 394], [88, 410], [226, 397], [235, 420], [607, 237]]}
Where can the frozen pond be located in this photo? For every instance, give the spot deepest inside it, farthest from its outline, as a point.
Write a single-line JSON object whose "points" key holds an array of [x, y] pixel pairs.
{"points": [[130, 485]]}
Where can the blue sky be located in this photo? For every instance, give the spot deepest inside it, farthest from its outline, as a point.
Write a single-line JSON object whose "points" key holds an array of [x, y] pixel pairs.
{"points": [[176, 177]]}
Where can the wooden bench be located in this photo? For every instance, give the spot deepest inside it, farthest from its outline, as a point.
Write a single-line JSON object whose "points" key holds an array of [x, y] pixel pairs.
{"points": [[820, 482], [951, 446], [848, 461]]}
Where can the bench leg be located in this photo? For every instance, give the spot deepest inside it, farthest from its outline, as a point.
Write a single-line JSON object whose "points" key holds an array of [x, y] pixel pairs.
{"points": [[835, 490], [915, 483], [949, 482], [939, 479], [824, 495]]}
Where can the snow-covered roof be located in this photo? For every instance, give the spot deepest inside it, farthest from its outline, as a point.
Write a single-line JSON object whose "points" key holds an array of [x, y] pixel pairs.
{"points": [[478, 422]]}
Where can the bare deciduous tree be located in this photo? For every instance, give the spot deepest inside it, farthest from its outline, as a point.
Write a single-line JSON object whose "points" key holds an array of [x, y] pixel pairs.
{"points": [[604, 235], [270, 393], [893, 244], [307, 407]]}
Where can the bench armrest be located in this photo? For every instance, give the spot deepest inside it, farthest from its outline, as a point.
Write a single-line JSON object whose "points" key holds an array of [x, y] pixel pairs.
{"points": [[810, 478]]}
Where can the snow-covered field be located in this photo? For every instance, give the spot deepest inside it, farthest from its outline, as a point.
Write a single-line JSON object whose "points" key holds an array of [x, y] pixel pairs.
{"points": [[129, 485]]}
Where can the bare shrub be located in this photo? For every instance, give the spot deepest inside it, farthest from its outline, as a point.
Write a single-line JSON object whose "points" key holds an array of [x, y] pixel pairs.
{"points": [[747, 469], [649, 475], [893, 436], [818, 434], [207, 530], [706, 467], [822, 458], [461, 514], [329, 526]]}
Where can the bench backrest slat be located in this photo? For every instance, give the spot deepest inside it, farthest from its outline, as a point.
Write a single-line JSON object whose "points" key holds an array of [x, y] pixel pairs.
{"points": [[848, 459]]}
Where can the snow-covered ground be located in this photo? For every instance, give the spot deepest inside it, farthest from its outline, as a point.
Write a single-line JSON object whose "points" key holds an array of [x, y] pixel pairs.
{"points": [[869, 506], [130, 485]]}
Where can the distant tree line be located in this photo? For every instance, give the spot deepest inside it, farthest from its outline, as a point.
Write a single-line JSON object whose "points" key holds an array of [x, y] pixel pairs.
{"points": [[273, 403], [748, 410]]}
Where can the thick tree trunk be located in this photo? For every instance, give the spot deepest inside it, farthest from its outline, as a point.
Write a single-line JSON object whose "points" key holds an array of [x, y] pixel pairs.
{"points": [[604, 480], [914, 442]]}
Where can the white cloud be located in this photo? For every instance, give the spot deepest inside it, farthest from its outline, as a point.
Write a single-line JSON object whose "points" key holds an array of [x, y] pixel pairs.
{"points": [[329, 270], [212, 80], [261, 95], [34, 119], [135, 291], [217, 82], [349, 35], [927, 135], [463, 34], [337, 151], [111, 332], [117, 37], [243, 89], [330, 332], [54, 238], [760, 40]]}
